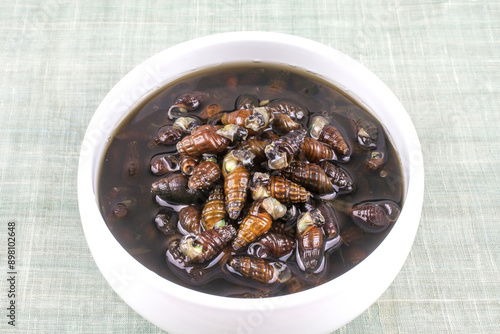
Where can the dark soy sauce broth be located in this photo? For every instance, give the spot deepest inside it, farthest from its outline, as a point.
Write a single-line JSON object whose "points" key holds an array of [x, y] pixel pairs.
{"points": [[124, 187]]}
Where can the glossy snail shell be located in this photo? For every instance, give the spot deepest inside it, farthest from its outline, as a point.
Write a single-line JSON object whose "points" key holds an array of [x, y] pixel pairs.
{"points": [[190, 101], [375, 161], [332, 136], [338, 176], [331, 225], [188, 163], [284, 191], [166, 221], [190, 219], [186, 123], [281, 151], [374, 217], [207, 244], [272, 206], [168, 135], [272, 245], [237, 117], [256, 223], [310, 246], [316, 151], [310, 176], [174, 254], [260, 270], [283, 123], [287, 107], [164, 163], [260, 118], [366, 132], [255, 120], [174, 188], [204, 140], [256, 146], [234, 159], [215, 210], [235, 190], [324, 132], [204, 175], [233, 132]]}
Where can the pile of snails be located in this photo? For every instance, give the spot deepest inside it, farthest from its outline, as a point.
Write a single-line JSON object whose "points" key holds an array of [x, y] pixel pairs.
{"points": [[258, 187]]}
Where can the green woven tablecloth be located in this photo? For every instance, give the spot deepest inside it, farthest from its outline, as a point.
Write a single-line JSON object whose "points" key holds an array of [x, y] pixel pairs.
{"points": [[58, 59]]}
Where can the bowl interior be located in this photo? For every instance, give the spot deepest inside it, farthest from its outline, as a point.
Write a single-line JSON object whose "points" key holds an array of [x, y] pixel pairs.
{"points": [[145, 291]]}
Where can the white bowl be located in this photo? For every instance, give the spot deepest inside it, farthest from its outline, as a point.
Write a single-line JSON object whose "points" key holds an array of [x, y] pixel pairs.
{"points": [[319, 310]]}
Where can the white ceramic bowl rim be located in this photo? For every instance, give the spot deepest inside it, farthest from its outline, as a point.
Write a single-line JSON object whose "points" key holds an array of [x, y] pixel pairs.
{"points": [[127, 276]]}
